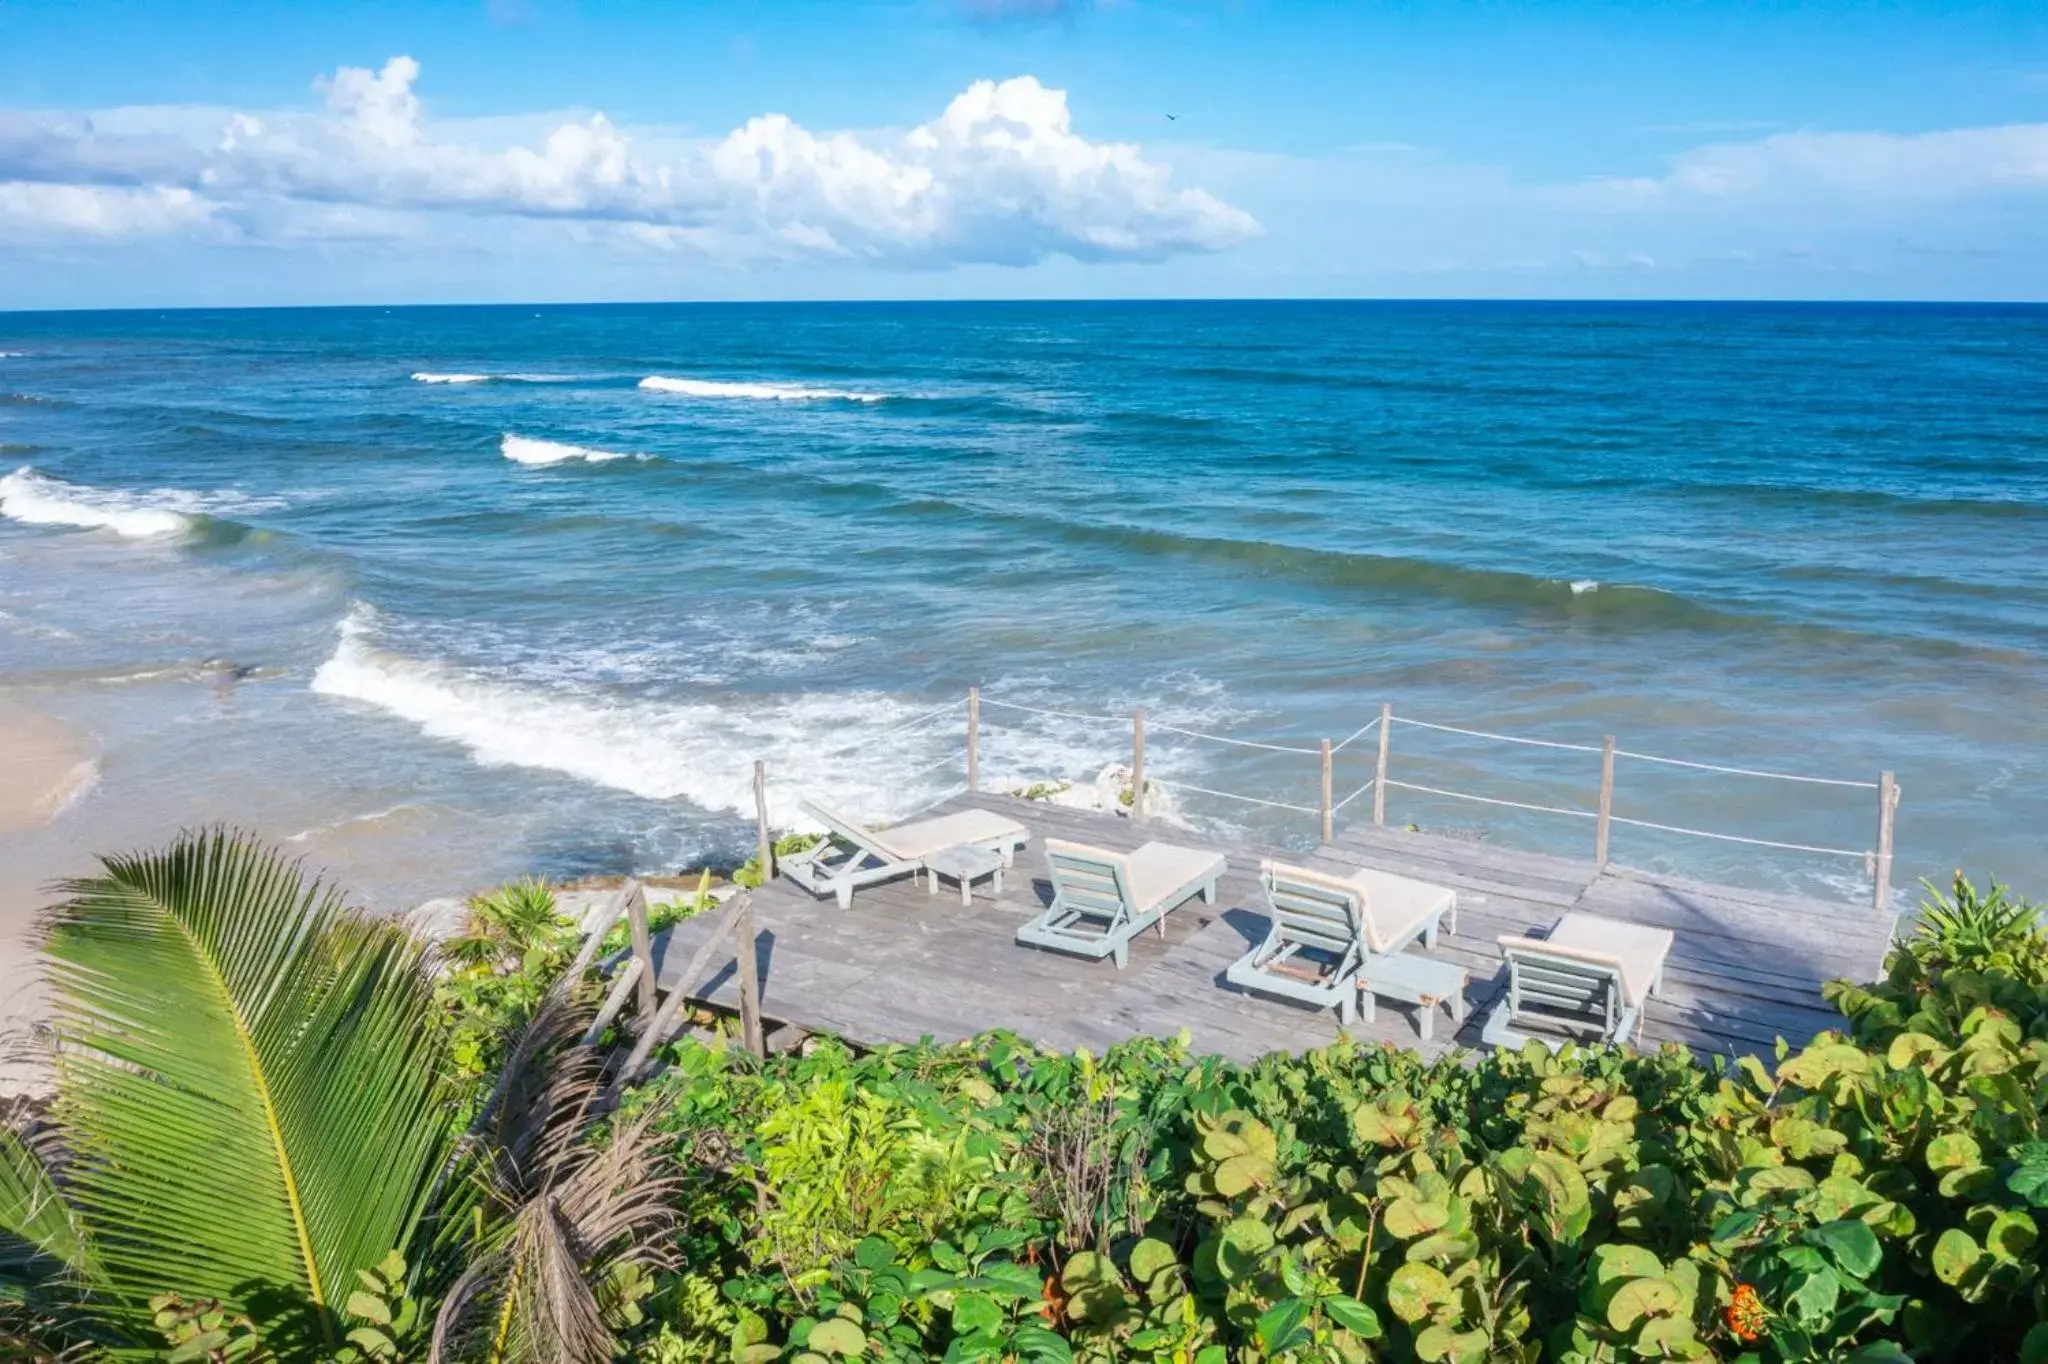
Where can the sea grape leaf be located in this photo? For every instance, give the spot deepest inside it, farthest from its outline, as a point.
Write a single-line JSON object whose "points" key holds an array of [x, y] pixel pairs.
{"points": [[1853, 1245]]}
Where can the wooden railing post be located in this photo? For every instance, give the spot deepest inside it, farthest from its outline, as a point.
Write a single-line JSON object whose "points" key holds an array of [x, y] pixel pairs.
{"points": [[765, 844], [974, 738], [1137, 764], [1329, 810], [750, 984], [1606, 800], [1379, 776], [1887, 807], [643, 946]]}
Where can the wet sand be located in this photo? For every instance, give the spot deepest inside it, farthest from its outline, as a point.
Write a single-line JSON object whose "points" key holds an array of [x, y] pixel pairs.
{"points": [[46, 766]]}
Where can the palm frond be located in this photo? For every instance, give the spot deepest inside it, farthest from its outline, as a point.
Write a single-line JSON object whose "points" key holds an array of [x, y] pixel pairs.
{"points": [[572, 1208], [248, 1077]]}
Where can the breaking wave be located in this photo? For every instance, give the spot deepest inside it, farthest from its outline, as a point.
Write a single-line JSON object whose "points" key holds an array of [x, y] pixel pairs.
{"points": [[527, 450], [709, 388], [698, 751], [427, 377], [39, 500]]}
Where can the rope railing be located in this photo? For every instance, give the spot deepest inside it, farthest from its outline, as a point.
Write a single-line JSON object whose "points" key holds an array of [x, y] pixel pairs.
{"points": [[1745, 771], [1353, 796], [1739, 838], [1879, 861], [1494, 800], [1501, 738], [1058, 714], [1240, 743], [1231, 795]]}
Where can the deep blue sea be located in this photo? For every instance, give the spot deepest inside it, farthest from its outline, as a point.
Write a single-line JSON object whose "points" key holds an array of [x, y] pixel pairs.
{"points": [[440, 594]]}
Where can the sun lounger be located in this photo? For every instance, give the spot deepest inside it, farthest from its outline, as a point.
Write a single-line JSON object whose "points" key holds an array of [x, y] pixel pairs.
{"points": [[1101, 899], [854, 855], [1591, 976], [1323, 927]]}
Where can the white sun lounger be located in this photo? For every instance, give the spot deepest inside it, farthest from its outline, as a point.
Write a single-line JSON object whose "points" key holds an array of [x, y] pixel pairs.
{"points": [[854, 855], [1102, 899], [1591, 975], [1323, 927]]}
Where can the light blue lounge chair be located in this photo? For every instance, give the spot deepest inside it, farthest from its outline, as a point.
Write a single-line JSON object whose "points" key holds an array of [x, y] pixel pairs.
{"points": [[1591, 976], [1102, 899], [1323, 928], [854, 855]]}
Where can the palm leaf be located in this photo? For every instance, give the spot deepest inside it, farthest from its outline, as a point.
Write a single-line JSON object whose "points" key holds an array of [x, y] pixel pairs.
{"points": [[248, 1078]]}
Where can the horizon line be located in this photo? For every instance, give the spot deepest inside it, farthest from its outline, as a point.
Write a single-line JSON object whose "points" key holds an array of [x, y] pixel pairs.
{"points": [[1063, 301]]}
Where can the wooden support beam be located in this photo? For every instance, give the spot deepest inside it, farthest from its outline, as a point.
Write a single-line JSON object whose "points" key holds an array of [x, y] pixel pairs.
{"points": [[1137, 764], [643, 945], [664, 1022], [594, 940], [974, 738], [765, 849], [1329, 808], [1606, 819], [1379, 776], [614, 1002], [750, 981], [1887, 810]]}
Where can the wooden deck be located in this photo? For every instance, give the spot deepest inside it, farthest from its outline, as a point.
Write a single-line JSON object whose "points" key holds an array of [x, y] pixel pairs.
{"points": [[902, 964]]}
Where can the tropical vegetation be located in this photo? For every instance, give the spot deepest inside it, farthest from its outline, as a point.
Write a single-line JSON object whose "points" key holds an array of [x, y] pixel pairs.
{"points": [[283, 1131]]}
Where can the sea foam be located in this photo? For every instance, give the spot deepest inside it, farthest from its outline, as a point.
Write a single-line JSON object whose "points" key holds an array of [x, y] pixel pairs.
{"points": [[30, 497], [434, 377], [428, 377], [527, 450], [709, 388], [698, 751]]}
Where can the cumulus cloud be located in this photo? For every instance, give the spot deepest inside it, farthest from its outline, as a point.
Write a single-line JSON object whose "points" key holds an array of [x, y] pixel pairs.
{"points": [[1001, 176], [1923, 166]]}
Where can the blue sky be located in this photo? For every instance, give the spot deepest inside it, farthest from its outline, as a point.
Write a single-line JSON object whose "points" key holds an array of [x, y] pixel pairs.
{"points": [[203, 153]]}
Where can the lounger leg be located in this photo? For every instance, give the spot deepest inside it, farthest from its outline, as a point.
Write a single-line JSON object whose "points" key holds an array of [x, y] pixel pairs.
{"points": [[843, 892], [1209, 893], [1425, 1019], [1121, 955], [1429, 934], [966, 895], [1347, 1004], [1368, 1008]]}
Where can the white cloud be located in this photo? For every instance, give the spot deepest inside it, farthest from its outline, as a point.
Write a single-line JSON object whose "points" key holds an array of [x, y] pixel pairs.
{"points": [[29, 211], [1000, 177], [1801, 165]]}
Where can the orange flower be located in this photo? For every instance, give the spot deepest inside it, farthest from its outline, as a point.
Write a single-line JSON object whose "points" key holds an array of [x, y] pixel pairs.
{"points": [[1746, 1315]]}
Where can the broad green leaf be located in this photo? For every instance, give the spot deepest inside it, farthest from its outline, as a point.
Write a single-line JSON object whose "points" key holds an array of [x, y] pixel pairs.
{"points": [[975, 1312], [1408, 1218], [1954, 1254], [250, 1075], [1436, 1343], [1280, 1326], [1415, 1290], [1353, 1316], [1953, 1151], [1149, 1258], [837, 1336], [2034, 1345], [1639, 1299], [1619, 1261], [1852, 1244]]}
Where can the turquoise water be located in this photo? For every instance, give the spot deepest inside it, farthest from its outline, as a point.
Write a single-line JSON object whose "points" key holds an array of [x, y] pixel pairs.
{"points": [[1803, 538]]}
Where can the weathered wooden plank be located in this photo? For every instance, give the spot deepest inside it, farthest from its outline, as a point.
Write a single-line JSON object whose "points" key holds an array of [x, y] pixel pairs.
{"points": [[903, 964]]}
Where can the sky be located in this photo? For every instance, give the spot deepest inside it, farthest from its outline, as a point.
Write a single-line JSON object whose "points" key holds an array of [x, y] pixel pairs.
{"points": [[203, 153]]}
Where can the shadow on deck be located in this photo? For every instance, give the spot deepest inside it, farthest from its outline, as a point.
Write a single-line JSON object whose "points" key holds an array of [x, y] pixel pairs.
{"points": [[903, 964]]}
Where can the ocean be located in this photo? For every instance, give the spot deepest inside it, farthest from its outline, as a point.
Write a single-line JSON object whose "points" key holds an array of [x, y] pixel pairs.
{"points": [[440, 595]]}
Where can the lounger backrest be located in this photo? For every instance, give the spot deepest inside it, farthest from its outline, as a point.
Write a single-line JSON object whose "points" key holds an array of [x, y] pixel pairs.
{"points": [[1310, 908], [1561, 982], [857, 834], [1091, 880]]}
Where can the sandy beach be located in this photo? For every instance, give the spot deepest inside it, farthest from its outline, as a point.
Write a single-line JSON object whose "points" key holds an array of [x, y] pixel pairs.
{"points": [[46, 765]]}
